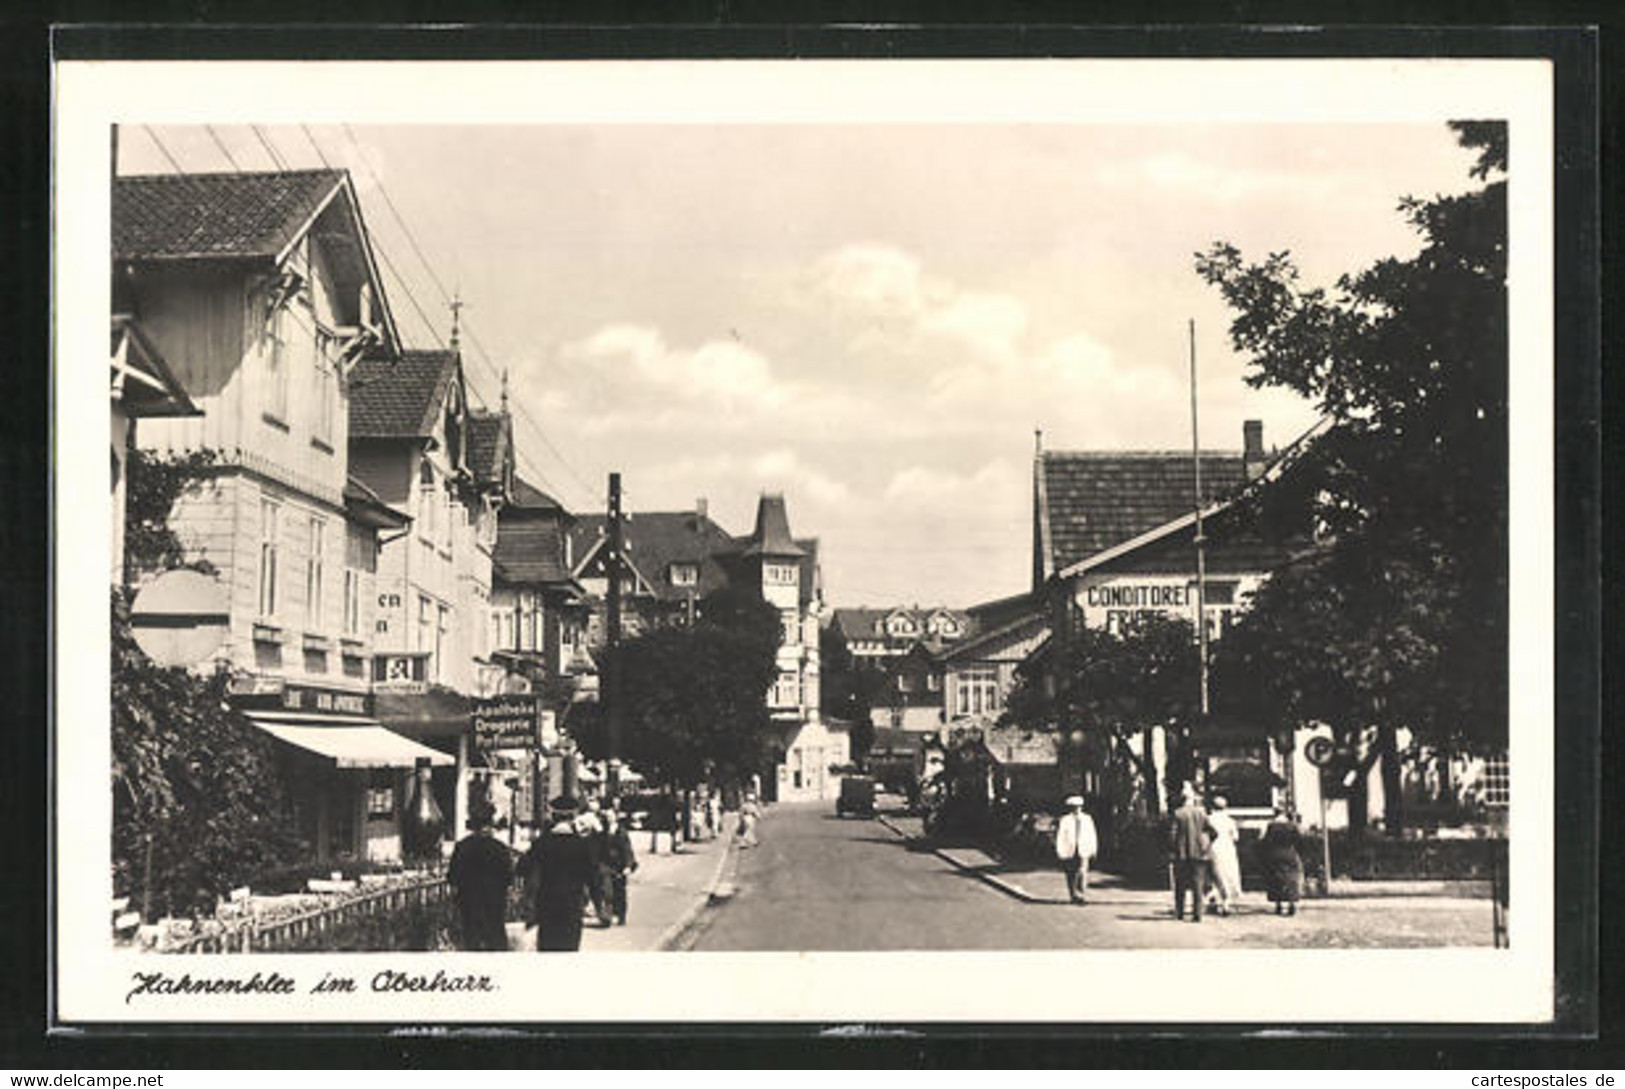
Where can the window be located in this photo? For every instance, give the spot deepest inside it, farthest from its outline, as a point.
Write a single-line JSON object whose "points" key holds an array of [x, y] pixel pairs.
{"points": [[779, 574], [977, 691], [441, 633], [352, 601], [276, 368], [314, 575], [326, 395], [685, 574], [496, 630], [425, 623], [787, 692], [270, 518], [447, 516], [790, 628], [428, 502], [1497, 783]]}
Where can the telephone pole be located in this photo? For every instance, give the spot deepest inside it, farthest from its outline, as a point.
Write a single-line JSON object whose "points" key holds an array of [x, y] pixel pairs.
{"points": [[1201, 541], [611, 694]]}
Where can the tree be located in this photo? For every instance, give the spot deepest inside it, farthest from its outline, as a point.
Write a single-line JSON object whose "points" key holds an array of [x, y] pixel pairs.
{"points": [[1400, 618], [152, 484], [1105, 686], [696, 698], [199, 805], [847, 690]]}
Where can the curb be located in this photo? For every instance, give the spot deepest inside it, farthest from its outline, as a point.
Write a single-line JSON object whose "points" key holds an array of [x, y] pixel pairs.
{"points": [[674, 933], [1009, 888]]}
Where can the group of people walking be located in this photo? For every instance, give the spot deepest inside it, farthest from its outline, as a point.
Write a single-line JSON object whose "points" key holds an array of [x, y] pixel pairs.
{"points": [[583, 857], [1203, 861]]}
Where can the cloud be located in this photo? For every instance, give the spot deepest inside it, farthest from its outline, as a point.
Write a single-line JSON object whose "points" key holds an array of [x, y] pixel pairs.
{"points": [[723, 374]]}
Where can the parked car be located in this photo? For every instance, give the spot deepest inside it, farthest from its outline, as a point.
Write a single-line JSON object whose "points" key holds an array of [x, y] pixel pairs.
{"points": [[857, 796]]}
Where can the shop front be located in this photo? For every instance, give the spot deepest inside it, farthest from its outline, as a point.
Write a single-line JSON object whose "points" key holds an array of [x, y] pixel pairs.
{"points": [[351, 777]]}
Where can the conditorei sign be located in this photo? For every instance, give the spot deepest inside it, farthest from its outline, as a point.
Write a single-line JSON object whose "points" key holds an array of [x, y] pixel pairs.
{"points": [[507, 722]]}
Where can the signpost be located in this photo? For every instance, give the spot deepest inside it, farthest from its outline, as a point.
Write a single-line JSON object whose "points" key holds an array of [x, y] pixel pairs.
{"points": [[507, 722], [1321, 752]]}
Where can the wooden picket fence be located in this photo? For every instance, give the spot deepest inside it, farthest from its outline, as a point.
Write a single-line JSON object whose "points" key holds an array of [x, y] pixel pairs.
{"points": [[280, 933]]}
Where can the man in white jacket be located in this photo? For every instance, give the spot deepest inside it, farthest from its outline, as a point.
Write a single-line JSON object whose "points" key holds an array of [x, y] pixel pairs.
{"points": [[1075, 845]]}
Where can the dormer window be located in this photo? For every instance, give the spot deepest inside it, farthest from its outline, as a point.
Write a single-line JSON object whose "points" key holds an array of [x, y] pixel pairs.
{"points": [[685, 574]]}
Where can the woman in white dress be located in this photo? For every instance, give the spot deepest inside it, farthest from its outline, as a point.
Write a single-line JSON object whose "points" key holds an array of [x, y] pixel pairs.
{"points": [[1226, 866]]}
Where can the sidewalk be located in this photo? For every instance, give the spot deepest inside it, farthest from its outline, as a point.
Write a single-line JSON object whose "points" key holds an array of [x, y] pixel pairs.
{"points": [[1047, 885], [664, 895]]}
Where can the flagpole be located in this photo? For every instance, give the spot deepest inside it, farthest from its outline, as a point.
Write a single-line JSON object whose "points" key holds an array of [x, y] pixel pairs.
{"points": [[1201, 556]]}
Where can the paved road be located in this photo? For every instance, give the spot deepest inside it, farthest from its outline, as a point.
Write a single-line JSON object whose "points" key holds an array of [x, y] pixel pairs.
{"points": [[821, 883]]}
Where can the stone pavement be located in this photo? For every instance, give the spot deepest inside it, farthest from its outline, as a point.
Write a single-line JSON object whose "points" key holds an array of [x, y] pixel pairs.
{"points": [[664, 896]]}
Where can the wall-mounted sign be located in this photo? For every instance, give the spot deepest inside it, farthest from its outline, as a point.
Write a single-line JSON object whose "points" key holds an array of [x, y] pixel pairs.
{"points": [[506, 722], [309, 699], [180, 617]]}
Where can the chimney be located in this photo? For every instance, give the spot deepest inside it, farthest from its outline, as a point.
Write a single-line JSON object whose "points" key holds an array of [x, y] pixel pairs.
{"points": [[1252, 448], [701, 509]]}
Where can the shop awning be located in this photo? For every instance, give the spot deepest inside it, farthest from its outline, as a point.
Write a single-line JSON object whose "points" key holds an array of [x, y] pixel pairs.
{"points": [[350, 743]]}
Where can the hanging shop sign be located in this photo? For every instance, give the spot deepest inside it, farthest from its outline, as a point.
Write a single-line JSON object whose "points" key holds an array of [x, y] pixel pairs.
{"points": [[507, 722]]}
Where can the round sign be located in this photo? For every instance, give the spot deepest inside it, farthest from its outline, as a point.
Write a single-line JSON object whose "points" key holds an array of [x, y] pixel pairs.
{"points": [[1319, 751], [180, 617]]}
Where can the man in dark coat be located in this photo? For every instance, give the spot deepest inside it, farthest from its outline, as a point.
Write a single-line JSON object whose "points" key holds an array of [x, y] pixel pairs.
{"points": [[559, 867], [481, 869], [1190, 835], [618, 861]]}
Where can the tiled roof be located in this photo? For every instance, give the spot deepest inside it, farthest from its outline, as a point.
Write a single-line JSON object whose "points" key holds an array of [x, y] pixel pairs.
{"points": [[490, 440], [215, 215], [987, 644], [530, 497], [771, 537], [657, 539], [1092, 501], [530, 547], [868, 624], [402, 399]]}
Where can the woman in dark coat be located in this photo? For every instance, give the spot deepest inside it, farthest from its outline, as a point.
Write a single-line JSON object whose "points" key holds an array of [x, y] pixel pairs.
{"points": [[1283, 867], [559, 866]]}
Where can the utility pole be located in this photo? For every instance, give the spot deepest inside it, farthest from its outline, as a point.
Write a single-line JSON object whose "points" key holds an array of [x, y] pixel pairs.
{"points": [[611, 694], [1201, 541]]}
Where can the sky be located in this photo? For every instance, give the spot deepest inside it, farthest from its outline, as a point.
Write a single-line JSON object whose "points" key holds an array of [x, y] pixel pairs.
{"points": [[871, 319]]}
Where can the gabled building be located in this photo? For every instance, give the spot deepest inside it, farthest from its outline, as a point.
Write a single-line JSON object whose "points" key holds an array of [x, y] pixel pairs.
{"points": [[538, 610], [260, 294], [978, 673], [1114, 538], [875, 635], [416, 442], [670, 560]]}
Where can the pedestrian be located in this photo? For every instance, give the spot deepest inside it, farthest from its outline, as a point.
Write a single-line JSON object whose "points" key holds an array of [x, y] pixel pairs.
{"points": [[749, 814], [591, 824], [713, 812], [1283, 866], [481, 870], [618, 862], [558, 867], [1190, 835], [1075, 846], [1226, 863]]}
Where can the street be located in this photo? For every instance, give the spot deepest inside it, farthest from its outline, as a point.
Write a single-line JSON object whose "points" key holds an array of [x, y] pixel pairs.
{"points": [[818, 882]]}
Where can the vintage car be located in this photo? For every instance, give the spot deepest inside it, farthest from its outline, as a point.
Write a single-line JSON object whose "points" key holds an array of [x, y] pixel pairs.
{"points": [[857, 796]]}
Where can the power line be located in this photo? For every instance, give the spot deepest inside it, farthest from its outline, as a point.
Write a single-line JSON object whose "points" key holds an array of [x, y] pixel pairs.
{"points": [[445, 296], [317, 147], [265, 142], [153, 136], [221, 144]]}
